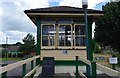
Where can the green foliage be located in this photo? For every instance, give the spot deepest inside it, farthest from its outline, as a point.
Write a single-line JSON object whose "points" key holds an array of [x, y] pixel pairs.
{"points": [[107, 28], [29, 44], [18, 43], [96, 47]]}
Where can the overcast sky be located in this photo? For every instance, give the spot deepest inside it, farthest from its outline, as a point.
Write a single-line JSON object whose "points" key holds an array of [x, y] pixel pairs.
{"points": [[15, 25]]}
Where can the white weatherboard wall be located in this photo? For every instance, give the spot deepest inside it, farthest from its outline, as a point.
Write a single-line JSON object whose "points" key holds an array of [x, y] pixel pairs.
{"points": [[62, 55]]}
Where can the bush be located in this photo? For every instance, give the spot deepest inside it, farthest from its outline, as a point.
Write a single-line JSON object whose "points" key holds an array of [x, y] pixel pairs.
{"points": [[96, 47]]}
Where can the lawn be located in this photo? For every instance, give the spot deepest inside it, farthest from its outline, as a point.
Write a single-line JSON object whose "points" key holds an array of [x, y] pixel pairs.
{"points": [[9, 59], [105, 62]]}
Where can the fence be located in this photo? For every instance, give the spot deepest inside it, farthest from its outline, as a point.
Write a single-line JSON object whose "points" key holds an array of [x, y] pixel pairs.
{"points": [[95, 66], [4, 69]]}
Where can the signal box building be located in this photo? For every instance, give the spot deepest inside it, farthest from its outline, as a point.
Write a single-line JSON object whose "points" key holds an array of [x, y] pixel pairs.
{"points": [[61, 31]]}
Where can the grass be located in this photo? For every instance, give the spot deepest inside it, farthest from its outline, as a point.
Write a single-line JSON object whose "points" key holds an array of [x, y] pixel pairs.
{"points": [[9, 59], [106, 61]]}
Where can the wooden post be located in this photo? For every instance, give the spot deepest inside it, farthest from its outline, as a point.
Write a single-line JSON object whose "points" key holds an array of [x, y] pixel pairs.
{"points": [[32, 65], [24, 69]]}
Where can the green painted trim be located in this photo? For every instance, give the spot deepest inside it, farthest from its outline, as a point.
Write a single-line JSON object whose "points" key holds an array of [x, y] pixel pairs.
{"points": [[24, 70], [63, 49], [76, 67], [32, 64], [38, 50], [67, 63], [93, 64], [90, 39], [38, 35]]}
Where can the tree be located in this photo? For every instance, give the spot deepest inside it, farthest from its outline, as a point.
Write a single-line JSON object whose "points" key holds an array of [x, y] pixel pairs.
{"points": [[29, 44], [18, 44], [107, 30]]}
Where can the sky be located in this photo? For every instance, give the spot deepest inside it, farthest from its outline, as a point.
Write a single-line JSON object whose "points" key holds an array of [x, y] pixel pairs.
{"points": [[15, 25]]}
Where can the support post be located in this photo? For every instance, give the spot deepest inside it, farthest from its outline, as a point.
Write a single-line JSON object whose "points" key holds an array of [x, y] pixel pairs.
{"points": [[23, 69], [32, 65], [87, 43], [90, 44], [3, 75], [93, 64], [76, 67], [88, 28], [38, 50]]}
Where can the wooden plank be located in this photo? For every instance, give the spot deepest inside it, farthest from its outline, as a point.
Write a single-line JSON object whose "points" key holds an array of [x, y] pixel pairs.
{"points": [[31, 72], [17, 64], [38, 71], [107, 70], [81, 74], [72, 75], [84, 60]]}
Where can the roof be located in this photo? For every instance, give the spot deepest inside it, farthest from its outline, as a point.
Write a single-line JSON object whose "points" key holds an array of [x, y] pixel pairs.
{"points": [[61, 9], [13, 48]]}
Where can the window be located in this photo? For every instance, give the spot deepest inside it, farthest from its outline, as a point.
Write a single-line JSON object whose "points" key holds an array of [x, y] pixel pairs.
{"points": [[48, 34], [64, 35], [79, 35]]}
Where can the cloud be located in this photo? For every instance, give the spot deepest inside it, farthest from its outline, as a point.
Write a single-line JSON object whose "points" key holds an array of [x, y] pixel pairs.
{"points": [[78, 3], [14, 23], [2, 37], [74, 3], [54, 0]]}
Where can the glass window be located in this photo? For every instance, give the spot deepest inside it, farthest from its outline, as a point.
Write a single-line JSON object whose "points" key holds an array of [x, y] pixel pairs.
{"points": [[47, 30], [79, 35], [48, 34], [44, 40], [64, 35]]}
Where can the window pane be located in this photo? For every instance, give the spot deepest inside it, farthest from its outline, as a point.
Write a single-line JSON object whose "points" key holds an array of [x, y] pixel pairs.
{"points": [[51, 42], [44, 40], [79, 35], [80, 41], [68, 40], [61, 40], [79, 30], [47, 30]]}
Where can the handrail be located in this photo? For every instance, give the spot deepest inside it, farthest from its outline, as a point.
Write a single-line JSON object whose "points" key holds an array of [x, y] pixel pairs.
{"points": [[17, 64], [81, 74], [107, 70], [85, 61], [32, 71], [102, 68]]}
